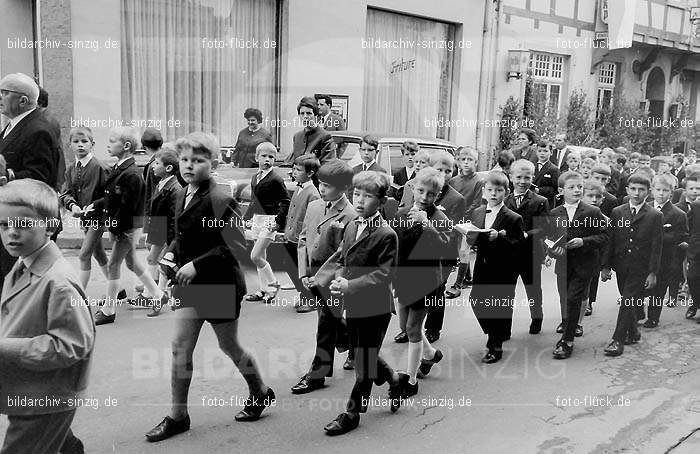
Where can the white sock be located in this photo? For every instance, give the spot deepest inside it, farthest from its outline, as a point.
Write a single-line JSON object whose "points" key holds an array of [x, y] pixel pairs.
{"points": [[84, 276], [155, 271], [415, 351], [162, 282], [151, 289], [428, 350], [266, 277], [105, 269], [110, 306]]}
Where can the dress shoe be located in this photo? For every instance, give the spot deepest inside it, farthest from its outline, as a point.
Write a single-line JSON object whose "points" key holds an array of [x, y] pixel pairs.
{"points": [[157, 305], [102, 319], [562, 350], [560, 328], [344, 423], [535, 326], [305, 309], [168, 428], [690, 313], [427, 364], [255, 297], [432, 336], [401, 338], [308, 384], [614, 348], [408, 389], [140, 301], [589, 310], [349, 364], [633, 339], [254, 406], [492, 356], [395, 395], [122, 294], [452, 293], [651, 323], [578, 332]]}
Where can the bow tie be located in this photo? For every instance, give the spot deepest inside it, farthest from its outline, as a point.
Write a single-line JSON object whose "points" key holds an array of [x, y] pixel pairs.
{"points": [[489, 211], [301, 185], [361, 221]]}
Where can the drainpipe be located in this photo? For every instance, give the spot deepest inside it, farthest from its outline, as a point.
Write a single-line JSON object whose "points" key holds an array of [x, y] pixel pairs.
{"points": [[487, 81]]}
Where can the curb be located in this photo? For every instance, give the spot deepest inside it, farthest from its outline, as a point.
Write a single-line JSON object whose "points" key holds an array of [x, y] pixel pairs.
{"points": [[74, 242]]}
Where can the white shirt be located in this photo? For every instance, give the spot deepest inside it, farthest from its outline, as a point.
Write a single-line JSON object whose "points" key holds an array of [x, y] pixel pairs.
{"points": [[303, 186], [121, 161], [491, 213], [659, 207], [264, 174], [361, 228], [571, 210], [636, 207], [409, 171], [17, 119], [84, 161], [367, 166], [161, 183], [190, 193]]}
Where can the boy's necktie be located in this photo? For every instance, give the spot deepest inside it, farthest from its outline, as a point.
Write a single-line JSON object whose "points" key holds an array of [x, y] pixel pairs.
{"points": [[328, 207], [18, 272], [634, 211], [518, 200]]}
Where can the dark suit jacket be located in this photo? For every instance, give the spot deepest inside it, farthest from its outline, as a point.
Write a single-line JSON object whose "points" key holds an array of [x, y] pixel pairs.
{"points": [[556, 154], [123, 202], [161, 220], [693, 252], [534, 210], [369, 265], [679, 173], [316, 141], [589, 225], [333, 123], [608, 204], [400, 177], [675, 234], [269, 197], [683, 205], [89, 188], [622, 188], [31, 150], [614, 184], [547, 181], [374, 167]]}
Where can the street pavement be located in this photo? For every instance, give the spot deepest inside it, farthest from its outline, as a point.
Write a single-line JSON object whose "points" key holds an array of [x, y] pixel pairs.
{"points": [[646, 401]]}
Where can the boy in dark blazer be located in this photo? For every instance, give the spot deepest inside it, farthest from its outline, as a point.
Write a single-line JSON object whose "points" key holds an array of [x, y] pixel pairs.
{"points": [[601, 174], [361, 272], [320, 236], [546, 174], [368, 153], [636, 237], [578, 232], [693, 257], [209, 283], [534, 210], [675, 237], [402, 176], [495, 275]]}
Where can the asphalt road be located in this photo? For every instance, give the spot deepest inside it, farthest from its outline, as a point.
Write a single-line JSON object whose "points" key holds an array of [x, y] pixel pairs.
{"points": [[646, 401]]}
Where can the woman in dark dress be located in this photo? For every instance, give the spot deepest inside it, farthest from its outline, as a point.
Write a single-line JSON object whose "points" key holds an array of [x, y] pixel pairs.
{"points": [[249, 138]]}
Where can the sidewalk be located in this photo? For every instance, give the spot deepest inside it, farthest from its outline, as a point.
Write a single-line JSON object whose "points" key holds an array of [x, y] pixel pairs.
{"points": [[71, 237]]}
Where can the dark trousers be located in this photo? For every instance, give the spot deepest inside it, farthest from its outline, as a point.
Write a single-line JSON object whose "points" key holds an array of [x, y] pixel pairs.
{"points": [[667, 281], [629, 308], [593, 288], [436, 312], [694, 283], [40, 434], [573, 289], [493, 307], [290, 264], [531, 274], [366, 337], [331, 332]]}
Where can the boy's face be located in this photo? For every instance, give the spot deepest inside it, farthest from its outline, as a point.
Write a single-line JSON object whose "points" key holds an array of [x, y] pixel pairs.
{"points": [[644, 162], [637, 192], [494, 194], [424, 195], [407, 155], [604, 159], [661, 193], [329, 192], [299, 174], [634, 163], [691, 158], [543, 154], [308, 119], [600, 178], [367, 152], [586, 169], [572, 190], [159, 168], [692, 190], [22, 230], [421, 163], [265, 159], [195, 167], [664, 167], [572, 161], [116, 147], [81, 145], [467, 163], [366, 203], [445, 168], [593, 197], [522, 180]]}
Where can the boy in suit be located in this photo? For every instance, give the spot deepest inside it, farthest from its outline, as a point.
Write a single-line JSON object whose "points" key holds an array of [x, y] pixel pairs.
{"points": [[320, 236], [269, 197], [46, 329], [304, 173], [361, 272], [636, 236], [493, 292], [593, 191], [123, 209], [693, 258], [408, 153], [205, 263], [601, 173], [421, 161], [581, 228], [607, 157], [161, 219], [675, 238], [368, 154], [534, 210], [546, 173], [152, 141]]}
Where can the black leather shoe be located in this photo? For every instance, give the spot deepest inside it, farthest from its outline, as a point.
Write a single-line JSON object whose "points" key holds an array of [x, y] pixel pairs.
{"points": [[452, 293], [344, 423], [614, 348], [349, 364], [536, 326], [427, 364], [401, 338], [633, 339], [589, 310], [307, 385], [255, 297], [407, 389], [432, 336], [562, 350], [305, 309], [121, 295], [254, 406], [157, 305], [560, 328], [578, 332], [167, 428], [690, 313], [651, 323], [492, 356], [102, 319], [395, 395]]}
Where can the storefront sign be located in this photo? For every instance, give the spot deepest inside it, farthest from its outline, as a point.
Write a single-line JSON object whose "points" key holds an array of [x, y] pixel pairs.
{"points": [[398, 66]]}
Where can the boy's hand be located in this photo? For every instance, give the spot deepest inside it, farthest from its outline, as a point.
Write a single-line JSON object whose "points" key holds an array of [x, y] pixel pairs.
{"points": [[339, 286], [418, 216], [76, 210], [651, 281], [493, 234], [502, 233], [185, 275], [308, 282], [548, 262], [88, 209], [606, 274], [574, 243], [558, 251]]}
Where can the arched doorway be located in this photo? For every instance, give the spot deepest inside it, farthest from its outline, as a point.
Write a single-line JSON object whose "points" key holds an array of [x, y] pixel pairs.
{"points": [[656, 86]]}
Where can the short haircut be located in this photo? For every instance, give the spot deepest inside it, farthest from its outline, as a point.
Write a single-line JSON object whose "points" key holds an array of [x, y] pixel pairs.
{"points": [[607, 152], [678, 157], [644, 157], [589, 161], [23, 84], [152, 138], [568, 175], [695, 178], [169, 158], [590, 154], [543, 144], [371, 140], [309, 162], [637, 178], [424, 154], [442, 157], [430, 176], [530, 133], [371, 181], [410, 144], [310, 102], [43, 99], [666, 180], [265, 146], [621, 159], [505, 158], [127, 134], [592, 185], [692, 170], [253, 112], [336, 173], [202, 143], [522, 164], [646, 172], [602, 169], [35, 195], [84, 130], [169, 146], [635, 155], [497, 178], [468, 151], [326, 98], [575, 154]]}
